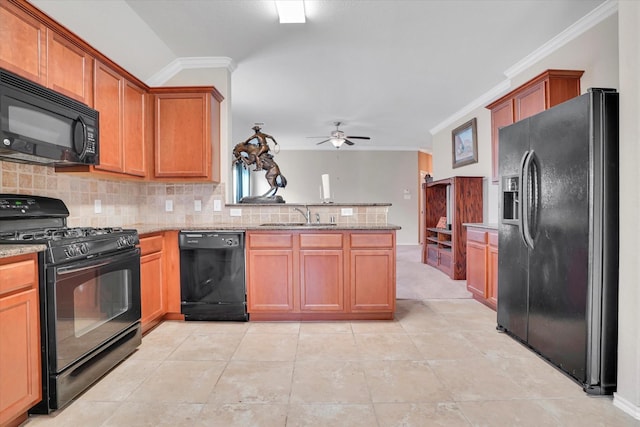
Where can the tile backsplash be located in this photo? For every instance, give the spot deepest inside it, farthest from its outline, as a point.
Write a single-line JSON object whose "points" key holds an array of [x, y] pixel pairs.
{"points": [[127, 203]]}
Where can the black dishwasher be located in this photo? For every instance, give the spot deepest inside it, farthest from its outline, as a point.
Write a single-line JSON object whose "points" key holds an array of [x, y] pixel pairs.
{"points": [[212, 275]]}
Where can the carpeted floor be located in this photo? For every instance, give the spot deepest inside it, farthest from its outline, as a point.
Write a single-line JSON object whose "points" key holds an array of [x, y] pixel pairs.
{"points": [[418, 281]]}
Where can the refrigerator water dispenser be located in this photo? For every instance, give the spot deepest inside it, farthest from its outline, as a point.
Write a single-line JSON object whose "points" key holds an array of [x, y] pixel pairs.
{"points": [[510, 190]]}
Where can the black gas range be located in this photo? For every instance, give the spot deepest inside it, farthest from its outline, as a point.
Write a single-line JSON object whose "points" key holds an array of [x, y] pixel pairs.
{"points": [[37, 219], [89, 289]]}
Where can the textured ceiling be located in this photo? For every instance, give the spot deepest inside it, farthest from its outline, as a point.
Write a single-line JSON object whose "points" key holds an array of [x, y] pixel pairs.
{"points": [[389, 69]]}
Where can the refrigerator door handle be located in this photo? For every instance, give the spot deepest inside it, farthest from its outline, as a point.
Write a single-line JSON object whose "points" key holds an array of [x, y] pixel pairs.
{"points": [[522, 196], [530, 184]]}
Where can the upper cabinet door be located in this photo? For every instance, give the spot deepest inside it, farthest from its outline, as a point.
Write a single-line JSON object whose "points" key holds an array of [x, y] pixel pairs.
{"points": [[107, 100], [531, 101], [183, 135], [501, 115], [23, 46], [134, 130], [69, 68]]}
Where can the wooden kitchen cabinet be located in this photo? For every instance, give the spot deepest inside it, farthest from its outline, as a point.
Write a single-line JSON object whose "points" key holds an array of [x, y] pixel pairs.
{"points": [[122, 122], [320, 275], [152, 280], [187, 133], [43, 55], [23, 49], [544, 91], [446, 248], [69, 68], [21, 379], [321, 272], [372, 272], [270, 273], [482, 265]]}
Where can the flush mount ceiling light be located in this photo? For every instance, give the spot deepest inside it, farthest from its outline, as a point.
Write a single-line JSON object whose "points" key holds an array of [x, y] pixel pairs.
{"points": [[291, 11]]}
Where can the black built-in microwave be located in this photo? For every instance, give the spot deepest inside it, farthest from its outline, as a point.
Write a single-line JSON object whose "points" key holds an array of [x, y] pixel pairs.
{"points": [[40, 126]]}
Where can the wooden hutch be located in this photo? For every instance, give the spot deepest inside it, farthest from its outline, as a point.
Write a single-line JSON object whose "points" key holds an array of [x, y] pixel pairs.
{"points": [[458, 200]]}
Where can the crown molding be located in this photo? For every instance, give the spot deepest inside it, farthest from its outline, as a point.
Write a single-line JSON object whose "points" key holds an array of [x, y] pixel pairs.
{"points": [[186, 63], [587, 22], [481, 101]]}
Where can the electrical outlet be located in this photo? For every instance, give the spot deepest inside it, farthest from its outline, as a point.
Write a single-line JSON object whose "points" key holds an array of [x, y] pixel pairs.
{"points": [[217, 205], [168, 205], [346, 211], [197, 205], [97, 206], [235, 212]]}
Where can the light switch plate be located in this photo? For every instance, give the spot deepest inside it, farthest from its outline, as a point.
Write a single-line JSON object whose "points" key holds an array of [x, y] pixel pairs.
{"points": [[168, 205], [197, 205], [346, 211], [235, 212], [217, 205], [97, 206]]}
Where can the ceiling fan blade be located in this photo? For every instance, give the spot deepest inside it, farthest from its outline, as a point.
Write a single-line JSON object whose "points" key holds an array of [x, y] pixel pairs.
{"points": [[346, 141], [359, 137], [316, 137], [322, 142]]}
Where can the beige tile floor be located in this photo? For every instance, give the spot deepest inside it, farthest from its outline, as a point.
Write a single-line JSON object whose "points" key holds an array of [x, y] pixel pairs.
{"points": [[439, 363]]}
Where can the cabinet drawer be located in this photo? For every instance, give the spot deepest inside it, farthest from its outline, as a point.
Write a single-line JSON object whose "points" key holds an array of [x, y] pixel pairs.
{"points": [[268, 240], [17, 273], [151, 244], [372, 240], [479, 236], [493, 238], [320, 240]]}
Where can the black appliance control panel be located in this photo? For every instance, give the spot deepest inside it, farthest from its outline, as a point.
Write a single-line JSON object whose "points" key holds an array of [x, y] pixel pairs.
{"points": [[16, 206]]}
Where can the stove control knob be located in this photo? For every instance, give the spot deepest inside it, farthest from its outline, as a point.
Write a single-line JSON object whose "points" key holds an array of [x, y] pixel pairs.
{"points": [[125, 241], [83, 248]]}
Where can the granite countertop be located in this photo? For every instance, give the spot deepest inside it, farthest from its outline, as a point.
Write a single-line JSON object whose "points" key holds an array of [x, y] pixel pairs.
{"points": [[148, 229], [324, 205], [487, 225], [12, 250], [27, 248]]}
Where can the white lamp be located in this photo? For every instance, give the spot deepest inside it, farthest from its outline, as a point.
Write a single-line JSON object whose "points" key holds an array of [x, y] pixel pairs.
{"points": [[291, 11], [337, 142]]}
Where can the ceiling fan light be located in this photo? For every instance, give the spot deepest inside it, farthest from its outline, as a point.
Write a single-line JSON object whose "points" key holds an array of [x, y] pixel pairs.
{"points": [[337, 142], [291, 11]]}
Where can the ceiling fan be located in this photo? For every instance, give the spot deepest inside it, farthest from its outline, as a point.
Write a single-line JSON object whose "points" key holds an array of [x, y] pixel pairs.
{"points": [[337, 137]]}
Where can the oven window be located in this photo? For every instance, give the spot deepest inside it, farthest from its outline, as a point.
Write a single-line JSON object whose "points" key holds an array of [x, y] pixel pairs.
{"points": [[99, 300], [93, 301]]}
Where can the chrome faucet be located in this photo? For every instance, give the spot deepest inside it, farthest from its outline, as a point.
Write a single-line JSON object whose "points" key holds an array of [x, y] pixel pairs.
{"points": [[307, 215]]}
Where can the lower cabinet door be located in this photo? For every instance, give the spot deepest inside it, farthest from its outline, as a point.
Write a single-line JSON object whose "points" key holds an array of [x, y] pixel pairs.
{"points": [[20, 382], [372, 280], [321, 280], [476, 268], [270, 281], [151, 289], [492, 276]]}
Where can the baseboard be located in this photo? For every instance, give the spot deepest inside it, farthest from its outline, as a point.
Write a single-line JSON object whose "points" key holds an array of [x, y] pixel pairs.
{"points": [[625, 405]]}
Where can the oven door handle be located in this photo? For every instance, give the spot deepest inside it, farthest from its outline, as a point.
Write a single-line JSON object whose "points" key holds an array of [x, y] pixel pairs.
{"points": [[92, 264], [70, 270]]}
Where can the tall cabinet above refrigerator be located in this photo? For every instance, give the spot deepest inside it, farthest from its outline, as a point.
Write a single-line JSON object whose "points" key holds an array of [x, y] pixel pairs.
{"points": [[558, 236]]}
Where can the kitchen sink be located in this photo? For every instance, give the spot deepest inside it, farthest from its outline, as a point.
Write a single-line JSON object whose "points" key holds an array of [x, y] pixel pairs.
{"points": [[297, 224]]}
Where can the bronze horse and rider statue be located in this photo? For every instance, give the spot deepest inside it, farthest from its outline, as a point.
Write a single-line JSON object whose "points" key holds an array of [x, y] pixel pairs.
{"points": [[250, 153]]}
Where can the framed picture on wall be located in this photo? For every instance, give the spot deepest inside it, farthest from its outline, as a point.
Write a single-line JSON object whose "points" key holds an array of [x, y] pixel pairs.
{"points": [[464, 143]]}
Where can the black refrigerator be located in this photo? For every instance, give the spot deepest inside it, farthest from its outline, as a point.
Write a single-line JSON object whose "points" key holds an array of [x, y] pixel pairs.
{"points": [[558, 236]]}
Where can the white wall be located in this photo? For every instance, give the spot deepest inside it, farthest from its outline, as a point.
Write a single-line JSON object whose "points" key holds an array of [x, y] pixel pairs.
{"points": [[355, 177], [595, 51], [628, 395]]}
